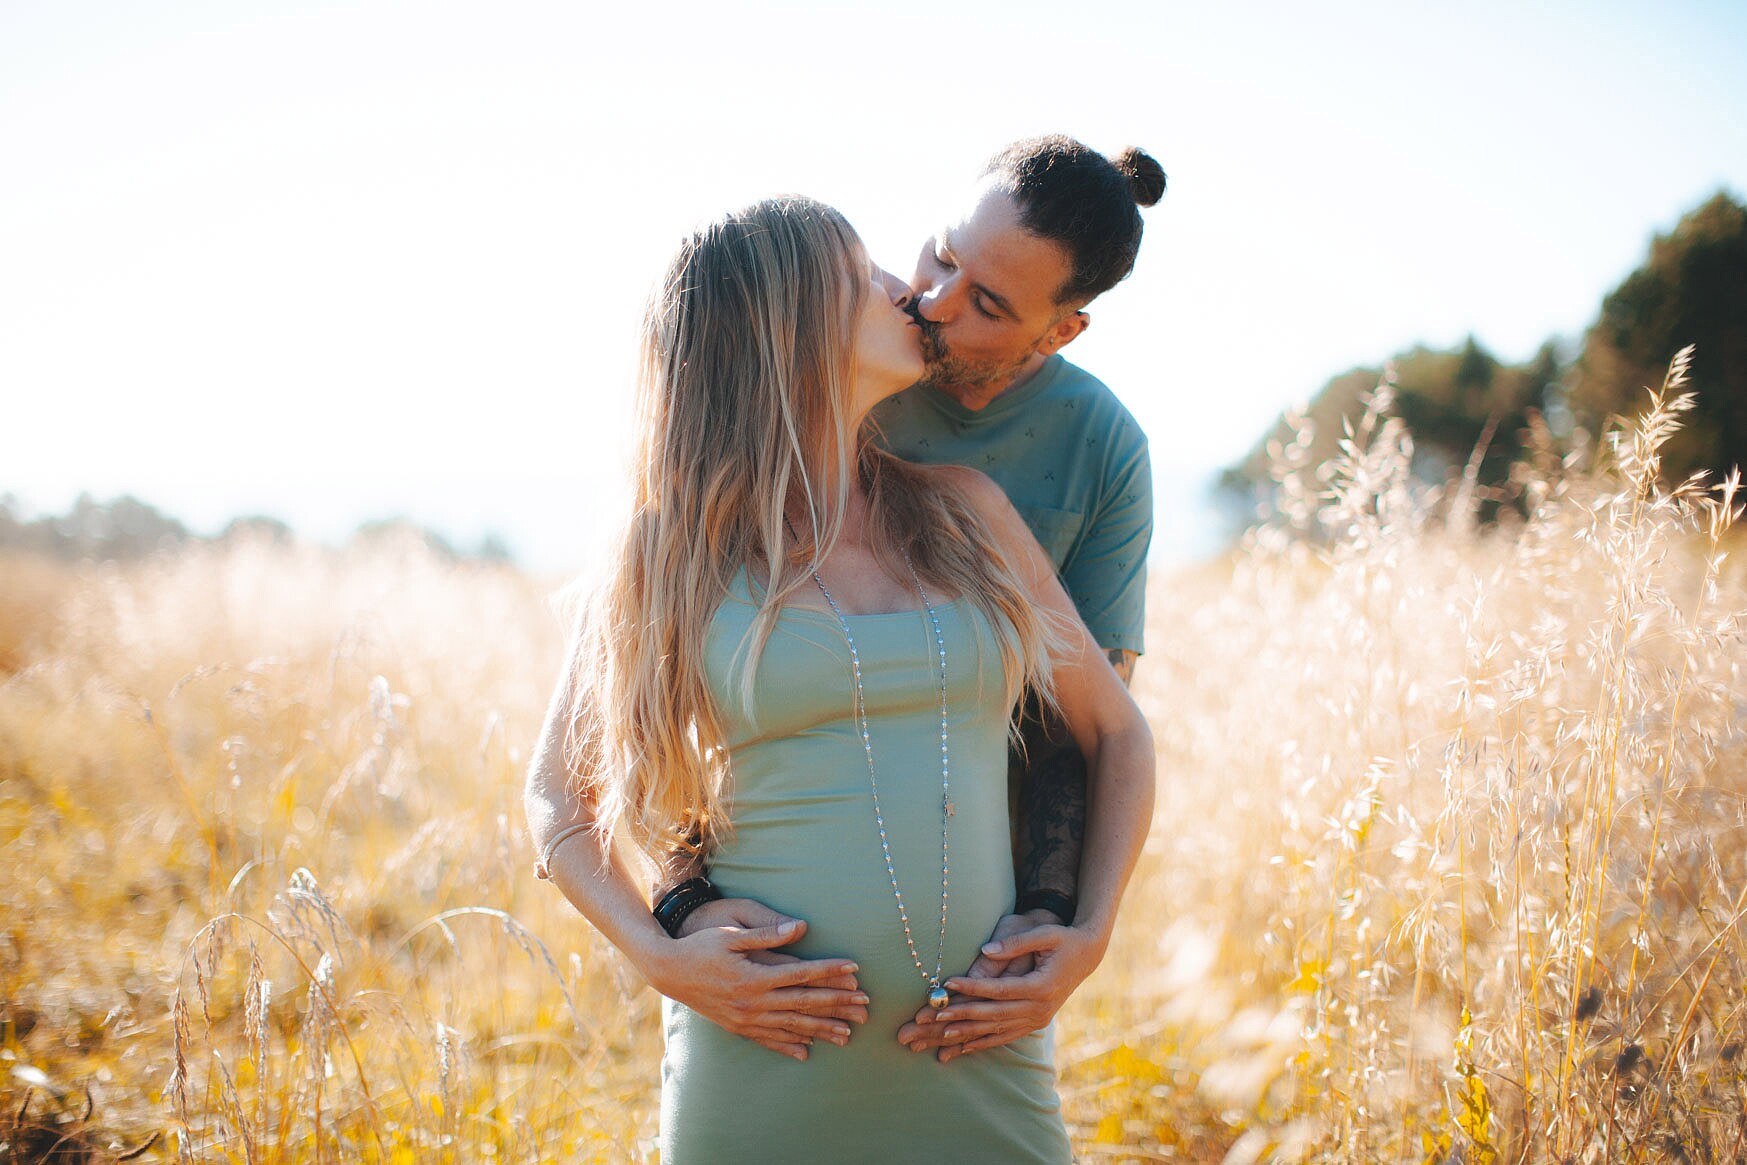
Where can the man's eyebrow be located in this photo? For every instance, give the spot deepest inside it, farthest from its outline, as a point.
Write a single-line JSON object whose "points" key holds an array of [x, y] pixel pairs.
{"points": [[994, 297], [1005, 307]]}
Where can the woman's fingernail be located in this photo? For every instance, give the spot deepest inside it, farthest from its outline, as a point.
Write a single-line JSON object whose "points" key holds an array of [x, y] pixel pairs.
{"points": [[858, 997], [993, 950]]}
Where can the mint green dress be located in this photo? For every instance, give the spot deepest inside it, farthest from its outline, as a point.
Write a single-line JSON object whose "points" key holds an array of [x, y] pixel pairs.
{"points": [[804, 842]]}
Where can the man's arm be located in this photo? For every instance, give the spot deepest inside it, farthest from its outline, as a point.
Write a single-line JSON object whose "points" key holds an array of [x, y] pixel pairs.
{"points": [[1049, 814], [1123, 662], [676, 864], [1105, 577], [1050, 806]]}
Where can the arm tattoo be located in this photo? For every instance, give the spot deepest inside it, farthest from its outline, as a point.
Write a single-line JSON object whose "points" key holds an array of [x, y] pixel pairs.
{"points": [[676, 863], [1047, 789], [1047, 778]]}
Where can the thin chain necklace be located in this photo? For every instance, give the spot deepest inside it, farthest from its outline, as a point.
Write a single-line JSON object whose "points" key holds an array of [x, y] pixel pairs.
{"points": [[937, 995]]}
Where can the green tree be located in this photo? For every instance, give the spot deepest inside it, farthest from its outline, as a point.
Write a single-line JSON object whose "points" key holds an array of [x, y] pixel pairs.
{"points": [[1691, 290], [1451, 401], [121, 528], [263, 527], [401, 531]]}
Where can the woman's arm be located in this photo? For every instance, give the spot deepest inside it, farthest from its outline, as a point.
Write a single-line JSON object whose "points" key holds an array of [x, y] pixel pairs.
{"points": [[730, 975], [1117, 744]]}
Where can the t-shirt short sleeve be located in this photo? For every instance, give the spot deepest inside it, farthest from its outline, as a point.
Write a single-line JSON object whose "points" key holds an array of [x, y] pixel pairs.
{"points": [[1106, 577]]}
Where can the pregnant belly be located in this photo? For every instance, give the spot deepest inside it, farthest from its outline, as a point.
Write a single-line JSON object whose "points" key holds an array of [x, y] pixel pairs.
{"points": [[819, 859]]}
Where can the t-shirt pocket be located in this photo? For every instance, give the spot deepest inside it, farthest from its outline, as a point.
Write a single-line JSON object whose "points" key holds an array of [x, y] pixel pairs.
{"points": [[1057, 531]]}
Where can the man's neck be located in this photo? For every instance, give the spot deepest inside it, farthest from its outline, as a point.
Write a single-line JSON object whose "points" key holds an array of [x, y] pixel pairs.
{"points": [[977, 397]]}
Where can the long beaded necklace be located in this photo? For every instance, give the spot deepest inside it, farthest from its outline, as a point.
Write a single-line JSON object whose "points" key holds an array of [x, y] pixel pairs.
{"points": [[937, 995]]}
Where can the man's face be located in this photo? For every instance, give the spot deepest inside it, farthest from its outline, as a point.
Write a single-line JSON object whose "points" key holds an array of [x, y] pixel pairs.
{"points": [[985, 296]]}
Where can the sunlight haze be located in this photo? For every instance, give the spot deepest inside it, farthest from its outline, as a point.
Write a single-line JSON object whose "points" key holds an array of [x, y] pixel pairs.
{"points": [[337, 261]]}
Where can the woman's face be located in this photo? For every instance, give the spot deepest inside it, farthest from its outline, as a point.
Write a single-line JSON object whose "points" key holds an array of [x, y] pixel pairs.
{"points": [[888, 344]]}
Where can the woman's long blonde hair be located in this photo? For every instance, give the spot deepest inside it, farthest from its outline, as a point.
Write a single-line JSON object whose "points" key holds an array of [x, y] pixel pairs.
{"points": [[743, 408]]}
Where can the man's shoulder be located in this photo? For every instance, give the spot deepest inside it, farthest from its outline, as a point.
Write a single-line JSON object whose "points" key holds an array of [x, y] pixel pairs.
{"points": [[1070, 377], [1076, 390]]}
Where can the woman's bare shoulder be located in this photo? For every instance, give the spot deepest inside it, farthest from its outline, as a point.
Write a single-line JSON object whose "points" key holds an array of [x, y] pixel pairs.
{"points": [[988, 499], [977, 487]]}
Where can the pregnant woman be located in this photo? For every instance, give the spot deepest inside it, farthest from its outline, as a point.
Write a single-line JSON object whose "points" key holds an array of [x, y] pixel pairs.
{"points": [[803, 660]]}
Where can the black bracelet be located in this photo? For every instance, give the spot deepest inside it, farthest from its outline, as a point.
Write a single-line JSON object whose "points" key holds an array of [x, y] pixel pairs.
{"points": [[678, 903], [1061, 905]]}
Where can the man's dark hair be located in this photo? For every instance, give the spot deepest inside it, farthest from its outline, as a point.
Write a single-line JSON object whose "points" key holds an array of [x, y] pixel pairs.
{"points": [[1071, 194]]}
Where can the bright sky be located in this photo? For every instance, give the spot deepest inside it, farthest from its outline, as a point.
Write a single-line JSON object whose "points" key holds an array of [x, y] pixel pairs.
{"points": [[333, 261]]}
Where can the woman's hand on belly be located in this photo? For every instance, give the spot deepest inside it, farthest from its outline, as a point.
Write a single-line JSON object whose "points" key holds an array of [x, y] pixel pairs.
{"points": [[1024, 975], [725, 966]]}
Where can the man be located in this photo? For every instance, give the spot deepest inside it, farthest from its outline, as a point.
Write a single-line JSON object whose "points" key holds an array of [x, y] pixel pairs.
{"points": [[998, 293]]}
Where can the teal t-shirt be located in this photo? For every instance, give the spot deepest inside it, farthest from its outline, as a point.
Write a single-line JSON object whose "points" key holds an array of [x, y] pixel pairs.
{"points": [[1075, 466]]}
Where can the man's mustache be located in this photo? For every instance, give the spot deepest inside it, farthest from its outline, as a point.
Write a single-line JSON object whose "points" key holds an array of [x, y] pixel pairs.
{"points": [[930, 330]]}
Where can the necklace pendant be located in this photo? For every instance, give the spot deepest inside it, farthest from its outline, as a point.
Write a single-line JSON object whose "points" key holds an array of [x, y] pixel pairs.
{"points": [[937, 998]]}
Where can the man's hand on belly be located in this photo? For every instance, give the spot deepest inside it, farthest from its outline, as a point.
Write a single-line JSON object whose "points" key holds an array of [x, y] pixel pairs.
{"points": [[725, 968], [1027, 970]]}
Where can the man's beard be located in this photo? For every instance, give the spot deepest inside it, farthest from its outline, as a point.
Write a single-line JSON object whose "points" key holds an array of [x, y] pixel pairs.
{"points": [[942, 369]]}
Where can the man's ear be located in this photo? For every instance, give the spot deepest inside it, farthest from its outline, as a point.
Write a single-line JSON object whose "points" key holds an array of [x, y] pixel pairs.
{"points": [[1066, 330]]}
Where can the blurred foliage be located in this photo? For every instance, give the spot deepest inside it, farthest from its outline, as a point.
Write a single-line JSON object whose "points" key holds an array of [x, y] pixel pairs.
{"points": [[1456, 403], [1691, 290], [122, 528], [126, 529], [1446, 864]]}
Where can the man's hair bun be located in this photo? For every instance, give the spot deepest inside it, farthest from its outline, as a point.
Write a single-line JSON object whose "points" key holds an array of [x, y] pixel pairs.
{"points": [[1072, 195], [1146, 178]]}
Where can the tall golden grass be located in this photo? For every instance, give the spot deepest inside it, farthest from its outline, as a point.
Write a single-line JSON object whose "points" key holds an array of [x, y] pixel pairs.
{"points": [[1449, 860]]}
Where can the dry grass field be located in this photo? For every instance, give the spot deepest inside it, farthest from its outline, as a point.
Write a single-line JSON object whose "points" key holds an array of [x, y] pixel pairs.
{"points": [[1449, 861]]}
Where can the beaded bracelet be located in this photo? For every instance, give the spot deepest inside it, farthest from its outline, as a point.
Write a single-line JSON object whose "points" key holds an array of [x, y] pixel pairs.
{"points": [[675, 905], [1061, 905]]}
